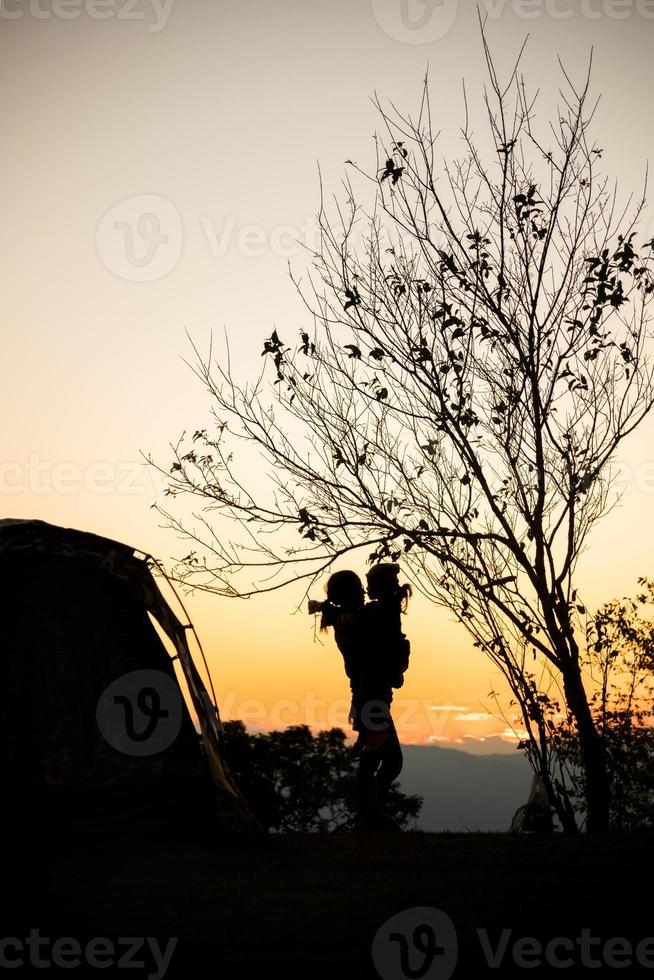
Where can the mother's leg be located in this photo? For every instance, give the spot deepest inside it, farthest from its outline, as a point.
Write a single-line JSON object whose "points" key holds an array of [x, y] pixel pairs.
{"points": [[377, 771], [366, 803], [389, 769]]}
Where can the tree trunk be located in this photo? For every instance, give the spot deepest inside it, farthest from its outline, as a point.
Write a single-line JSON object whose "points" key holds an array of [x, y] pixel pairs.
{"points": [[592, 752], [560, 804]]}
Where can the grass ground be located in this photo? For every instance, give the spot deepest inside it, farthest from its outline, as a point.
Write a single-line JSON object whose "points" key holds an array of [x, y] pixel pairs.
{"points": [[310, 906]]}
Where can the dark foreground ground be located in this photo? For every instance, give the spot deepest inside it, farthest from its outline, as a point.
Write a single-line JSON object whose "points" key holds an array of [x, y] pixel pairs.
{"points": [[310, 906]]}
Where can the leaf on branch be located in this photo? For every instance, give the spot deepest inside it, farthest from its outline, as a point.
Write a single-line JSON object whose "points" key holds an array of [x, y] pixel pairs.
{"points": [[538, 233], [354, 351], [476, 240], [272, 345], [390, 170], [583, 483], [422, 354], [526, 206], [307, 347], [448, 262], [353, 298]]}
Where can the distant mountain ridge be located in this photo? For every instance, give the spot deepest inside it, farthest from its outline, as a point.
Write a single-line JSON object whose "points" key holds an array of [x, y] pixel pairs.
{"points": [[465, 792]]}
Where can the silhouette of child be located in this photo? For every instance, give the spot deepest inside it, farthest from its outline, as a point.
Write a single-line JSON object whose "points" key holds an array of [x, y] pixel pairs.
{"points": [[344, 611], [387, 651]]}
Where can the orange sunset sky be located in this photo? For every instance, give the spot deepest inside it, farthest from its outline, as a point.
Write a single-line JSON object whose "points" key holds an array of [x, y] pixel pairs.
{"points": [[157, 170]]}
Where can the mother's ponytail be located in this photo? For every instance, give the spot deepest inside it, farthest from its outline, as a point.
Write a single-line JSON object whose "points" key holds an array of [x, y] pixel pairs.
{"points": [[328, 617], [404, 593]]}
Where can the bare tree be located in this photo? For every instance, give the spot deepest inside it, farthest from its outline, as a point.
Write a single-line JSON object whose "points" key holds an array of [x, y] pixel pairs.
{"points": [[477, 352]]}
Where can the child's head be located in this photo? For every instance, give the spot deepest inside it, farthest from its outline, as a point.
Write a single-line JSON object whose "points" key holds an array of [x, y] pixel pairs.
{"points": [[345, 589], [344, 594], [384, 585]]}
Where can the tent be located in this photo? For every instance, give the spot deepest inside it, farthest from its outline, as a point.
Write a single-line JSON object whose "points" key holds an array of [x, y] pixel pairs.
{"points": [[95, 725], [537, 814]]}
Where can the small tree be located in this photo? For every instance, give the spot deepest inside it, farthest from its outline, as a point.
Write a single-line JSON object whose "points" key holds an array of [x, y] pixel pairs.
{"points": [[299, 782], [620, 654], [476, 355]]}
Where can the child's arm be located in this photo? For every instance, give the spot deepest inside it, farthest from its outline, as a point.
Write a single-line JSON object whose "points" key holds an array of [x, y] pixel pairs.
{"points": [[327, 609]]}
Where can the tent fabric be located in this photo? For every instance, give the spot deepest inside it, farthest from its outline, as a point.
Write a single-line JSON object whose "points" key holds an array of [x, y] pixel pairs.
{"points": [[75, 619]]}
